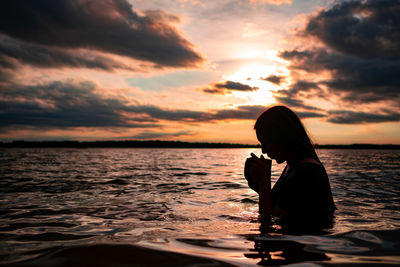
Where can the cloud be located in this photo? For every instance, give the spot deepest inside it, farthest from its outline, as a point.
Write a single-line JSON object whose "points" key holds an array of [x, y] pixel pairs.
{"points": [[251, 112], [294, 95], [162, 16], [358, 50], [65, 104], [152, 135], [248, 112], [73, 104], [310, 114], [353, 117], [5, 74], [13, 51], [294, 103], [362, 28], [273, 79], [172, 114], [227, 87], [360, 79], [69, 104], [79, 104], [110, 26]]}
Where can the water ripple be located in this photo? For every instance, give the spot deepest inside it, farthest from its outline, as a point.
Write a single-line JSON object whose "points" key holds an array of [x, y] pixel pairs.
{"points": [[53, 197]]}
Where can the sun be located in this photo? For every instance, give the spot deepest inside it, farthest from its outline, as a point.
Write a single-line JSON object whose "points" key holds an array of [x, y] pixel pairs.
{"points": [[252, 74]]}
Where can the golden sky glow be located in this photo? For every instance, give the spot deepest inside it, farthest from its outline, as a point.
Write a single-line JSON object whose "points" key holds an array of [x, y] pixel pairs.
{"points": [[197, 70]]}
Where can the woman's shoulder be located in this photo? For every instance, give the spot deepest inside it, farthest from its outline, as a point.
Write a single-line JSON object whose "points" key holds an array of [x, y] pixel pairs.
{"points": [[310, 167], [311, 161]]}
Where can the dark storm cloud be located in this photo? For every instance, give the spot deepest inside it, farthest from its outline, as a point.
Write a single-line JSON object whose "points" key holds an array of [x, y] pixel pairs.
{"points": [[362, 40], [227, 87], [273, 79], [110, 26], [59, 105], [12, 50], [352, 117], [363, 28], [69, 104], [294, 95], [361, 79], [301, 87], [310, 60]]}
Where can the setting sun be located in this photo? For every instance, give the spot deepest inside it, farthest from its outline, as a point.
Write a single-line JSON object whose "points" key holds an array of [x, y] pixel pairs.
{"points": [[252, 75]]}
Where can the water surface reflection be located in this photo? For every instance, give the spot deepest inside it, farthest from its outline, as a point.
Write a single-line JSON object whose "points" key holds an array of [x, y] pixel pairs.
{"points": [[174, 199]]}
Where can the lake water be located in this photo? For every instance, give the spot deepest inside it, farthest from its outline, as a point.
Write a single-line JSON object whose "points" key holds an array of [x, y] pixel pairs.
{"points": [[184, 207]]}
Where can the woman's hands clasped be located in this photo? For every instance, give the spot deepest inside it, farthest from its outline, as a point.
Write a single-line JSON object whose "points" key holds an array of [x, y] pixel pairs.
{"points": [[257, 172]]}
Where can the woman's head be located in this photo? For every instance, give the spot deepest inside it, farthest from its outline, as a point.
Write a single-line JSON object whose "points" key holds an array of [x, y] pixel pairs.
{"points": [[282, 135]]}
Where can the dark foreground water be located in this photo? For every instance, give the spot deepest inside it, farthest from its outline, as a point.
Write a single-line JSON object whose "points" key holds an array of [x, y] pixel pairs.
{"points": [[184, 207]]}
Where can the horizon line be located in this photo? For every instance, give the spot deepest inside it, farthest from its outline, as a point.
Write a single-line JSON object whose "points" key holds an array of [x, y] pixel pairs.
{"points": [[169, 144]]}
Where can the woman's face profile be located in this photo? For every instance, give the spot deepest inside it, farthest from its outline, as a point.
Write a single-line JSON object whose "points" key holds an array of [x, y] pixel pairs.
{"points": [[273, 150]]}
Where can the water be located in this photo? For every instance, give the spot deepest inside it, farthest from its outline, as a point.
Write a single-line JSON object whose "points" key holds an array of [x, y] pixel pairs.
{"points": [[183, 207]]}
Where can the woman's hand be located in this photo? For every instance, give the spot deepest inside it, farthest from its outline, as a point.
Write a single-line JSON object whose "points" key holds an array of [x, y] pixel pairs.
{"points": [[251, 181], [260, 170]]}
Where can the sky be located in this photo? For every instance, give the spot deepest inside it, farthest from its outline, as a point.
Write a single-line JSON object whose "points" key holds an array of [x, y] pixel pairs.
{"points": [[199, 71]]}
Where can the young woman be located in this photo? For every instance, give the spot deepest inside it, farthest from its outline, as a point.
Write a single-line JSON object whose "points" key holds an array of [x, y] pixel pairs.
{"points": [[302, 195]]}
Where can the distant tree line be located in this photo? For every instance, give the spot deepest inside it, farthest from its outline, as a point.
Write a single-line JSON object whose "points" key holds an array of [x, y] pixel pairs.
{"points": [[166, 144], [123, 144], [359, 146]]}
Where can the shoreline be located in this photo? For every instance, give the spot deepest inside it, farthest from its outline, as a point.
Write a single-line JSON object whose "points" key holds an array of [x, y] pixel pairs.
{"points": [[167, 144]]}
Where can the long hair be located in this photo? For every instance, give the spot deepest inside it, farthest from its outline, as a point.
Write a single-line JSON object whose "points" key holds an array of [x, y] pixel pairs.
{"points": [[280, 125]]}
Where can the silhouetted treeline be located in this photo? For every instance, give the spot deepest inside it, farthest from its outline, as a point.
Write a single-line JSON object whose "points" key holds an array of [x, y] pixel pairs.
{"points": [[121, 144], [359, 146], [167, 144]]}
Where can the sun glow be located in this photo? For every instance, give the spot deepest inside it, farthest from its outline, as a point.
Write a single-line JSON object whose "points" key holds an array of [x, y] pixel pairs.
{"points": [[253, 75]]}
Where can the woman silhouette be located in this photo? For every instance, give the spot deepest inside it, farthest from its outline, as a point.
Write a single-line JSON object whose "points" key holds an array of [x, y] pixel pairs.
{"points": [[302, 195]]}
